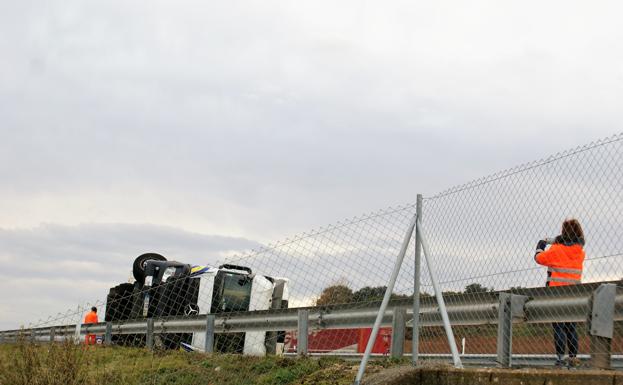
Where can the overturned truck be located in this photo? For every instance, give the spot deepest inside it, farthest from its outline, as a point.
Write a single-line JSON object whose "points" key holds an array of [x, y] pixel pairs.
{"points": [[163, 288]]}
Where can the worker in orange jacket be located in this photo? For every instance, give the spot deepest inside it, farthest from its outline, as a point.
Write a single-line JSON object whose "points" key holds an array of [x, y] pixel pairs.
{"points": [[564, 260], [91, 318]]}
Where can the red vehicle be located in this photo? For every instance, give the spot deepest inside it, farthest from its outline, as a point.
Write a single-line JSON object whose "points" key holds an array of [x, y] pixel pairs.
{"points": [[341, 340]]}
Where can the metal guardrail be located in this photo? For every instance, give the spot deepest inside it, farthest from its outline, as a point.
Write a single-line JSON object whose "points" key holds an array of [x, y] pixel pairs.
{"points": [[537, 305]]}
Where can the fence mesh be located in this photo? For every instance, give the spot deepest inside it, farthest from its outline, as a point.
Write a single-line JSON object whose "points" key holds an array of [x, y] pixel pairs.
{"points": [[482, 237], [345, 263], [484, 233]]}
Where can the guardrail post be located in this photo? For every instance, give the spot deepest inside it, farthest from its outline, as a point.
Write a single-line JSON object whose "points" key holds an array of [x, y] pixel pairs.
{"points": [[303, 332], [399, 326], [52, 333], [149, 335], [511, 307], [601, 325], [209, 338], [33, 335], [108, 334]]}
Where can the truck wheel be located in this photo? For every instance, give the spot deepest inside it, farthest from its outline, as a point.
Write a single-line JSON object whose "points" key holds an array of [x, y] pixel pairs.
{"points": [[138, 268], [117, 302]]}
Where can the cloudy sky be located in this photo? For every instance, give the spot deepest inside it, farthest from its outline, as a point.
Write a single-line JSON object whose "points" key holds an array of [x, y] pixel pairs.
{"points": [[203, 128]]}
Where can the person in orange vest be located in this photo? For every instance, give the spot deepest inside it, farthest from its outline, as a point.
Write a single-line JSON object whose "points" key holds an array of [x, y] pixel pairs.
{"points": [[91, 318], [564, 260]]}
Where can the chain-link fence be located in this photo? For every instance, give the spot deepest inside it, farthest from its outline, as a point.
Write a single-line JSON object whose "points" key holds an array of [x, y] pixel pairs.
{"points": [[482, 238], [485, 233], [343, 264]]}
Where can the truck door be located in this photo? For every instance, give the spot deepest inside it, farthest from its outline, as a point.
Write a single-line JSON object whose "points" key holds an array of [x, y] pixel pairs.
{"points": [[232, 293]]}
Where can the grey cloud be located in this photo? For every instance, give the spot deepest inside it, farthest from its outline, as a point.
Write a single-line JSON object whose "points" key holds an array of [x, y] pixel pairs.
{"points": [[53, 267], [101, 240]]}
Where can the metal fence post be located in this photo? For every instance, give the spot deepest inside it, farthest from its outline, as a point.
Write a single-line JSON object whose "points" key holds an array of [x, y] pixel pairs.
{"points": [[108, 334], [415, 339], [398, 332], [303, 332], [77, 334], [78, 329], [149, 336], [440, 302], [209, 338], [52, 333], [511, 307], [386, 297], [601, 325]]}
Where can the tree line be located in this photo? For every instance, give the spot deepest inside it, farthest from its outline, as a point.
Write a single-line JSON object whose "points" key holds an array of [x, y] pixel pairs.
{"points": [[341, 293]]}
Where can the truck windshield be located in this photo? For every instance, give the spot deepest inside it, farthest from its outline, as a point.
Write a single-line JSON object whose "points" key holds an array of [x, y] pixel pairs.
{"points": [[236, 293]]}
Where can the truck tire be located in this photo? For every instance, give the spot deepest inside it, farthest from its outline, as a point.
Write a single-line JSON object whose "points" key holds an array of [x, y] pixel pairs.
{"points": [[118, 302], [138, 268]]}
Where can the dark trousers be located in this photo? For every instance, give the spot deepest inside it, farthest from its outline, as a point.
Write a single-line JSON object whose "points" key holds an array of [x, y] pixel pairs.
{"points": [[566, 336]]}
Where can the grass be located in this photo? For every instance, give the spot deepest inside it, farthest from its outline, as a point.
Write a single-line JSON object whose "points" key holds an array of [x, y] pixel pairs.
{"points": [[69, 364]]}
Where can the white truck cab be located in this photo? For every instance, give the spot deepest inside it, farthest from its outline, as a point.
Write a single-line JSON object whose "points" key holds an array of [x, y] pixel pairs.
{"points": [[168, 288]]}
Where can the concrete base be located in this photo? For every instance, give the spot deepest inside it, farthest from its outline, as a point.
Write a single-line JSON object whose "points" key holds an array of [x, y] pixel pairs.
{"points": [[451, 376]]}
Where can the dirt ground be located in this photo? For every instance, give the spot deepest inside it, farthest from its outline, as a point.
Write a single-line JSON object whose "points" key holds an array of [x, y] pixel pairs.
{"points": [[521, 345]]}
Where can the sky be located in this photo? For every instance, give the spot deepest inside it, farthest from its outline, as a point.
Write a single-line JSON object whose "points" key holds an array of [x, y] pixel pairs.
{"points": [[201, 129]]}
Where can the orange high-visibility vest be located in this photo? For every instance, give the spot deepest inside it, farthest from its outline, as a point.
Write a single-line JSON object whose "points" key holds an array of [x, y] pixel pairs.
{"points": [[90, 318], [564, 264]]}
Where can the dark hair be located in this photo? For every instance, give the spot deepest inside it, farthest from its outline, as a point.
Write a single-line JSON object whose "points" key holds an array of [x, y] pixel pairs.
{"points": [[572, 232], [94, 309]]}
